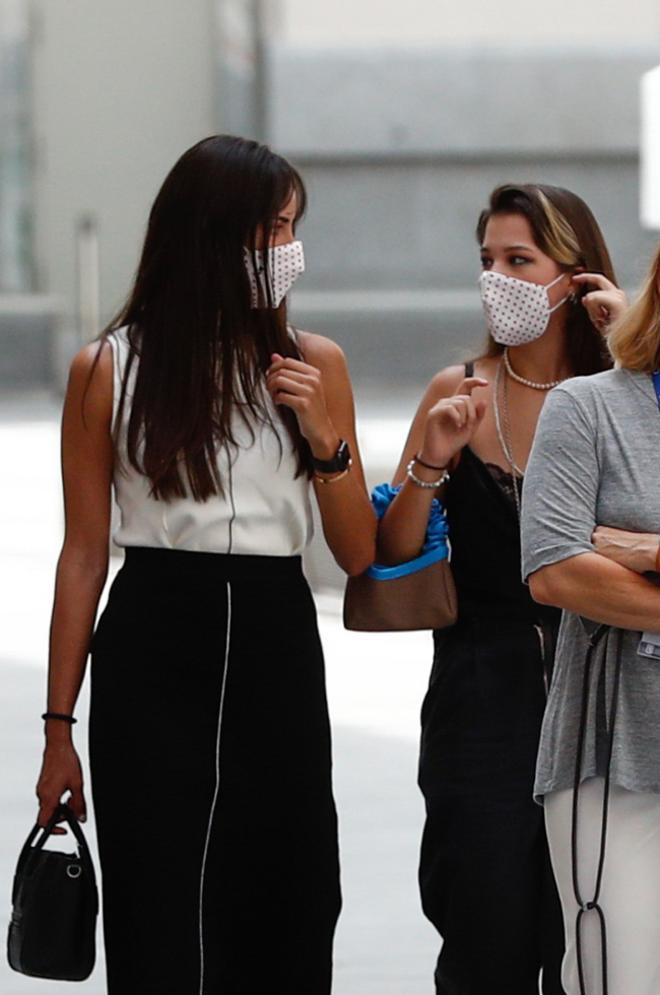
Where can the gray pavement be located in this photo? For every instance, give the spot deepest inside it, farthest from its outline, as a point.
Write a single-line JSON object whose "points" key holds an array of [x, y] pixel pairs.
{"points": [[375, 686]]}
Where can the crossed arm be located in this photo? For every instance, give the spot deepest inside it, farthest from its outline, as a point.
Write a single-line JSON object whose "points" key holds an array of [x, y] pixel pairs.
{"points": [[596, 587], [595, 571]]}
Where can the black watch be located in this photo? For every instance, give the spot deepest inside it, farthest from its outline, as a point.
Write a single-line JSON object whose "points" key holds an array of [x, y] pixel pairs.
{"points": [[339, 461]]}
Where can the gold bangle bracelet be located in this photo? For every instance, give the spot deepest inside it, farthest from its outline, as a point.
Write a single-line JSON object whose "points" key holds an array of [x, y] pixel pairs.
{"points": [[333, 480]]}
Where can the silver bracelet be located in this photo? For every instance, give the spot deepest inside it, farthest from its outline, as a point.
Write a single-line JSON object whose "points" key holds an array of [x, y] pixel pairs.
{"points": [[426, 484]]}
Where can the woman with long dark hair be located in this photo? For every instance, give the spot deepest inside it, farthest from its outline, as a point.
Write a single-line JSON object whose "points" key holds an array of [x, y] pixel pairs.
{"points": [[485, 875], [209, 736]]}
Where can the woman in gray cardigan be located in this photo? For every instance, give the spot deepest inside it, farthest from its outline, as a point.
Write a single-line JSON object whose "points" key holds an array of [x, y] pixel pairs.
{"points": [[591, 545]]}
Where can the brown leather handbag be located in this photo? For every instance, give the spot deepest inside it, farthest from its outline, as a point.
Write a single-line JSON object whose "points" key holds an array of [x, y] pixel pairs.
{"points": [[413, 595], [419, 594]]}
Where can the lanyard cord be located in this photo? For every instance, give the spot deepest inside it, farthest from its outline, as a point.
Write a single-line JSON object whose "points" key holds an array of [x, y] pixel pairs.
{"points": [[593, 904]]}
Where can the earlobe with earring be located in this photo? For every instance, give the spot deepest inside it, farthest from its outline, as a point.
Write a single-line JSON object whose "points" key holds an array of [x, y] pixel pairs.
{"points": [[574, 295]]}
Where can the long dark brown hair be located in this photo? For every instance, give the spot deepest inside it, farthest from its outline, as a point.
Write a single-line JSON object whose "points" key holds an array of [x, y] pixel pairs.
{"points": [[201, 349], [564, 229]]}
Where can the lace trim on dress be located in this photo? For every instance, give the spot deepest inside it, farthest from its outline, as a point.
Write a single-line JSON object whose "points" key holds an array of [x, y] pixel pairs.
{"points": [[504, 481]]}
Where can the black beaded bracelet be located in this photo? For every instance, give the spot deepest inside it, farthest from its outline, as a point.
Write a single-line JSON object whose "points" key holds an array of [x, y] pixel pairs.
{"points": [[429, 466], [59, 715]]}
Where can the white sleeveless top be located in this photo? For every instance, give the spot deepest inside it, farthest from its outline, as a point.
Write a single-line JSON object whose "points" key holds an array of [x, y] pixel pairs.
{"points": [[264, 511]]}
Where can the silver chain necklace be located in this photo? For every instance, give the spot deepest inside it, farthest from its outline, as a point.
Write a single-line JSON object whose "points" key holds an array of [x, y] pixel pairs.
{"points": [[504, 436]]}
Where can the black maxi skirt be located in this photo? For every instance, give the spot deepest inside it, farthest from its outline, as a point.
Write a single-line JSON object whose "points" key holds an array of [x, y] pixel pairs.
{"points": [[211, 778]]}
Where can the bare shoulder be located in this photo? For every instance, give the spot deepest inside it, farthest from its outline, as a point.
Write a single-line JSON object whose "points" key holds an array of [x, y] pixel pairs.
{"points": [[486, 367], [90, 378], [322, 352], [96, 356], [445, 382]]}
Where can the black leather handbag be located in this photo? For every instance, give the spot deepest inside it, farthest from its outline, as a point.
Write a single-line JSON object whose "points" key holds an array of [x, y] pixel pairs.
{"points": [[52, 932]]}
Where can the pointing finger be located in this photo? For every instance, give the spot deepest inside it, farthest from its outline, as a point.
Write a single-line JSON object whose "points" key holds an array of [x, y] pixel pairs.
{"points": [[469, 384], [597, 279], [597, 297]]}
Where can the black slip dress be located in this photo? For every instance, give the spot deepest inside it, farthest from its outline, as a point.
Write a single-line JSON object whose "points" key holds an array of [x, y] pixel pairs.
{"points": [[485, 876]]}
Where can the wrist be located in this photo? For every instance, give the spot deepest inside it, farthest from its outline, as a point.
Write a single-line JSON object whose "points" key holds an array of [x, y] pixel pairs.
{"points": [[57, 734], [58, 725], [422, 460], [649, 554], [325, 446], [425, 475], [433, 457], [645, 554], [432, 479]]}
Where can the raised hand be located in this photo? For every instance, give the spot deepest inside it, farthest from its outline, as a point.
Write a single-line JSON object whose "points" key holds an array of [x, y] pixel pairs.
{"points": [[451, 423], [605, 303], [299, 386]]}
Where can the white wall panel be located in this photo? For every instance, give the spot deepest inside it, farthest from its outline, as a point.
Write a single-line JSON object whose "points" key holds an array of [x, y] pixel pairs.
{"points": [[650, 150]]}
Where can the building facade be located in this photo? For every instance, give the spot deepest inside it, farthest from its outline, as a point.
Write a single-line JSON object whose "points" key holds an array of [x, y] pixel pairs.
{"points": [[401, 117]]}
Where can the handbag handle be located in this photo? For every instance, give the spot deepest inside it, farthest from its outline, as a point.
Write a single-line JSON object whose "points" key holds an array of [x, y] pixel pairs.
{"points": [[62, 812]]}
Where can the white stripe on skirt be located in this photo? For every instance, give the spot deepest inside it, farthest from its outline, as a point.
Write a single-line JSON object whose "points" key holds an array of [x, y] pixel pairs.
{"points": [[215, 794]]}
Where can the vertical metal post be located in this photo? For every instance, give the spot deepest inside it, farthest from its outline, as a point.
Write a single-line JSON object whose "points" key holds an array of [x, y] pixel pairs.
{"points": [[245, 31], [260, 23], [16, 247], [89, 280]]}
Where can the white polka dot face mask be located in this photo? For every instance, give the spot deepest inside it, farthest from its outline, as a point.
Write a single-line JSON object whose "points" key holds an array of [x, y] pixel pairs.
{"points": [[517, 311], [284, 263]]}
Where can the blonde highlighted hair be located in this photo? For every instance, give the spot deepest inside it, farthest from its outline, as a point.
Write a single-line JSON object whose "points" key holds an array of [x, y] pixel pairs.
{"points": [[557, 236], [634, 340]]}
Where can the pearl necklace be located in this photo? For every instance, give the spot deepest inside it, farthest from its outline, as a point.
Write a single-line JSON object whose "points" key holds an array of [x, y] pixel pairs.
{"points": [[528, 383]]}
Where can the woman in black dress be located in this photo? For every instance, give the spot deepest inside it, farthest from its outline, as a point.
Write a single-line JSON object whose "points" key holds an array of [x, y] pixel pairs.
{"points": [[209, 736], [485, 876]]}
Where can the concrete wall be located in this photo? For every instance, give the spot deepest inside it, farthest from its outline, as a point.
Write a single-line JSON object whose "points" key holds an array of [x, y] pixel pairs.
{"points": [[562, 23], [400, 150], [455, 100], [120, 90], [400, 143], [28, 327]]}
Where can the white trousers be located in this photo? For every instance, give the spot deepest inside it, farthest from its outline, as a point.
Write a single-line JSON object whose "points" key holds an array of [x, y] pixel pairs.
{"points": [[630, 891]]}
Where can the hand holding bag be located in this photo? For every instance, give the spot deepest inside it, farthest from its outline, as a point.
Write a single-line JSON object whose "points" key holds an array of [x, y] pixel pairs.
{"points": [[419, 594], [52, 932]]}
